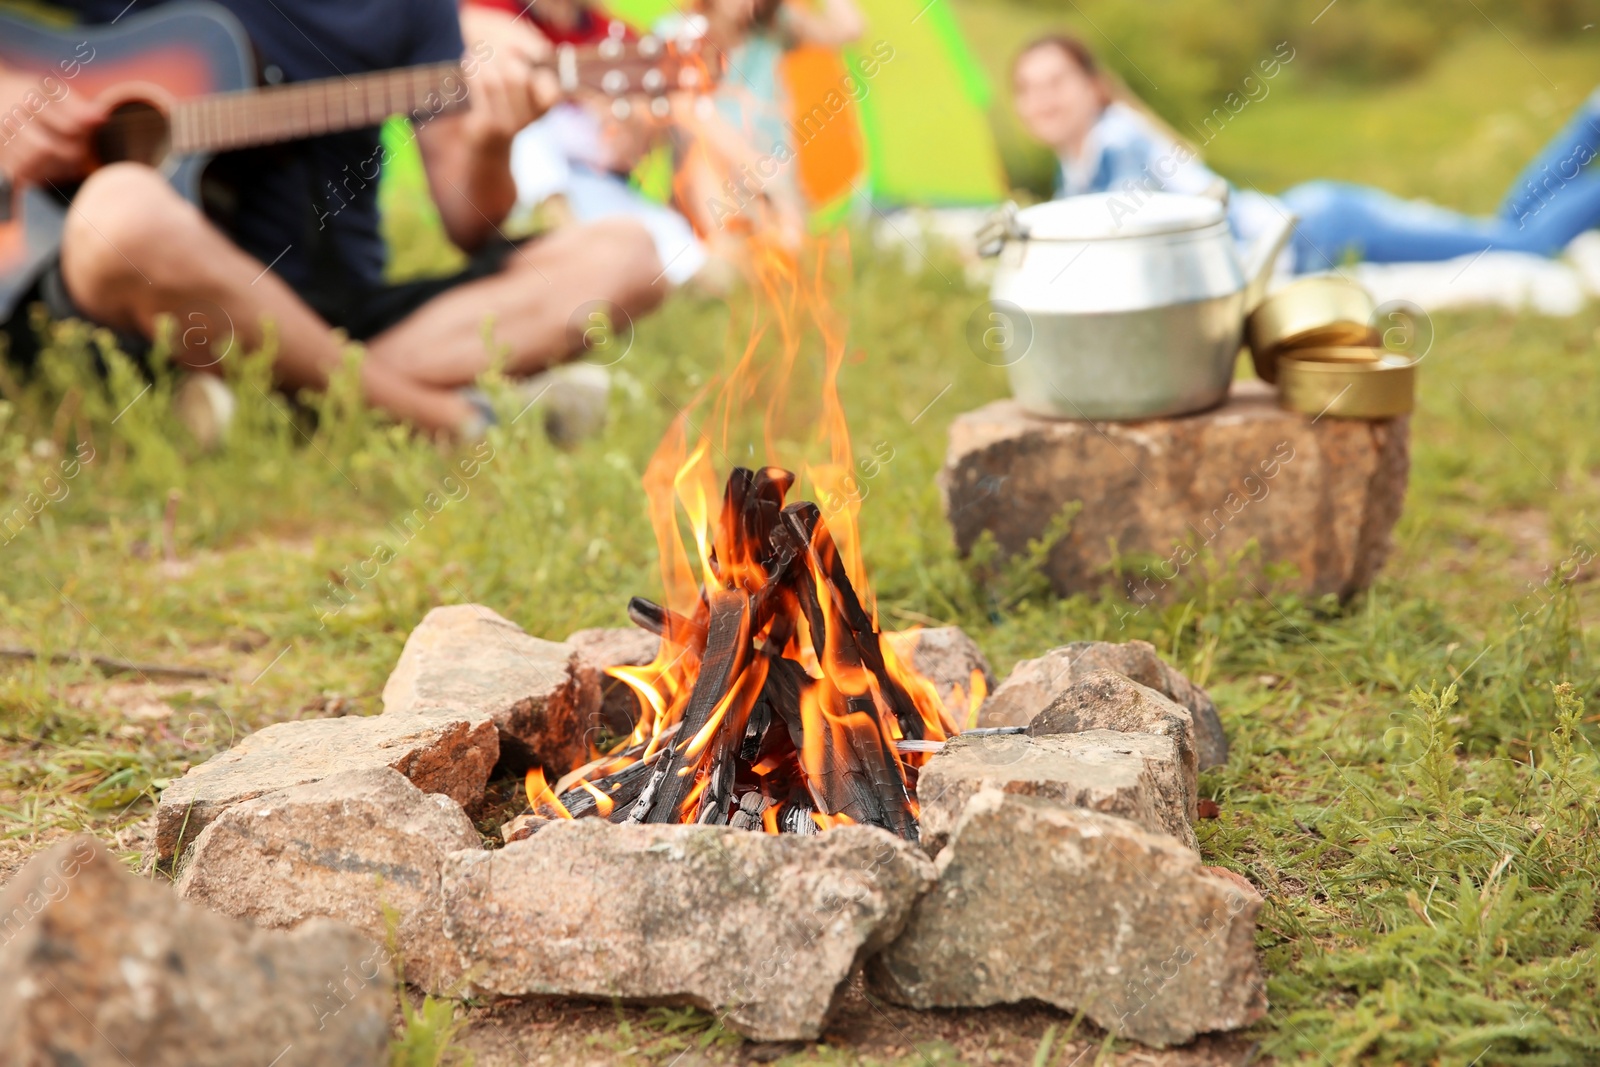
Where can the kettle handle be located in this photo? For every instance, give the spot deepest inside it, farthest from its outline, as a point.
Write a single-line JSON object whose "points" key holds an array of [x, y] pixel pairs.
{"points": [[1261, 257], [1002, 226]]}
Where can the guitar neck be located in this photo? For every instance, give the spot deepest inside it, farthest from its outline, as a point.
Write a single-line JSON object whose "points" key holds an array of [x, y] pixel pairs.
{"points": [[224, 121]]}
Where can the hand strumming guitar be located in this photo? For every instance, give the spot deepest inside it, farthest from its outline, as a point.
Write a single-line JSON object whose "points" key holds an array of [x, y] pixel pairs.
{"points": [[44, 129]]}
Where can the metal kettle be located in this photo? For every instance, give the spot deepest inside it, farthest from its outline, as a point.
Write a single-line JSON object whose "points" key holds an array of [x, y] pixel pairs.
{"points": [[1123, 307]]}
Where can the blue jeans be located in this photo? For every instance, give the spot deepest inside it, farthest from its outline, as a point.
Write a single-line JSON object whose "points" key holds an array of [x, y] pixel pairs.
{"points": [[1553, 200]]}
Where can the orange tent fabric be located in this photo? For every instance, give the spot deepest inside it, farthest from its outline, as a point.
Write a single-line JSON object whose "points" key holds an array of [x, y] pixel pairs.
{"points": [[826, 124]]}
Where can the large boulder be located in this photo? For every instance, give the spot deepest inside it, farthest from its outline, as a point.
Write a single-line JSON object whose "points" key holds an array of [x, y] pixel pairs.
{"points": [[439, 752], [1034, 684], [1138, 776], [365, 847], [1106, 700], [1084, 911], [467, 660], [761, 929], [1321, 494], [624, 647], [100, 967]]}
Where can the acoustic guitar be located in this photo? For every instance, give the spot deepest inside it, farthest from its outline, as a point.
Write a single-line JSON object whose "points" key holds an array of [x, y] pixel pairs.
{"points": [[180, 85]]}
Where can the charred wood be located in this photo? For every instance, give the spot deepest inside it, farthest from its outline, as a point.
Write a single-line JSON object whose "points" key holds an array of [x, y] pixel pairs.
{"points": [[727, 652], [666, 623]]}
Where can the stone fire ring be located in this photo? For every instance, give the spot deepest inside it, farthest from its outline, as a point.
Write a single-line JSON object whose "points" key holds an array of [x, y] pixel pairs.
{"points": [[1057, 864]]}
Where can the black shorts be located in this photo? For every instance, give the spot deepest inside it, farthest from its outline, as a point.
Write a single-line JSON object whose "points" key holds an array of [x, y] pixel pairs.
{"points": [[361, 313]]}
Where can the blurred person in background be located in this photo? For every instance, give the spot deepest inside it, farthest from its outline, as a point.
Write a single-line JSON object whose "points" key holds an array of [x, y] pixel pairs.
{"points": [[573, 164], [286, 263], [1107, 142], [737, 175]]}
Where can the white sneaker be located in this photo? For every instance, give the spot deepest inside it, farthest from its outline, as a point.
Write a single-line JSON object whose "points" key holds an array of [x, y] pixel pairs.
{"points": [[573, 398], [205, 406]]}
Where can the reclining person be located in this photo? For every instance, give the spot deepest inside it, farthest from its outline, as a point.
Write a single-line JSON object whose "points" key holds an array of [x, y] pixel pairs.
{"points": [[300, 249]]}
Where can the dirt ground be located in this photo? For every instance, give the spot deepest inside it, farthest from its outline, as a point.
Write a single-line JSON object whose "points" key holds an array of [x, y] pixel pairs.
{"points": [[865, 1031]]}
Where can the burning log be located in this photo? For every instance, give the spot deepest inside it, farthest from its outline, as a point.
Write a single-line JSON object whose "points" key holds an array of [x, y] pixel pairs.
{"points": [[665, 623], [727, 650], [785, 714]]}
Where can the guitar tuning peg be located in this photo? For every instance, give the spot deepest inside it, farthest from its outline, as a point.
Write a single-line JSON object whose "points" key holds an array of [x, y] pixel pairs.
{"points": [[621, 109], [660, 107]]}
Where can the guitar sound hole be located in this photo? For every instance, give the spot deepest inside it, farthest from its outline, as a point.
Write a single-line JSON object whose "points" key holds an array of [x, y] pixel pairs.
{"points": [[137, 132]]}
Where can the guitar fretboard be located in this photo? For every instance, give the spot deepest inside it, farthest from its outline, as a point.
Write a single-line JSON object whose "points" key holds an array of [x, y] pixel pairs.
{"points": [[277, 113]]}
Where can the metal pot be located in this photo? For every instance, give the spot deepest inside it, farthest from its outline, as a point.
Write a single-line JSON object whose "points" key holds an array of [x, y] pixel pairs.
{"points": [[1320, 312], [1112, 307]]}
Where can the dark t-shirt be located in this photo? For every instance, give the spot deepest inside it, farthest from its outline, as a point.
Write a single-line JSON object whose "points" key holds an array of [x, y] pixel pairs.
{"points": [[309, 207]]}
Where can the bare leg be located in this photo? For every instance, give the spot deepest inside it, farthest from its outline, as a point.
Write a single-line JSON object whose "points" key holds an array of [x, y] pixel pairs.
{"points": [[134, 250], [532, 303]]}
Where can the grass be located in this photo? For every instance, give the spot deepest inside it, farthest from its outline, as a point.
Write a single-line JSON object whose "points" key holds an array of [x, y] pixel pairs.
{"points": [[1413, 781]]}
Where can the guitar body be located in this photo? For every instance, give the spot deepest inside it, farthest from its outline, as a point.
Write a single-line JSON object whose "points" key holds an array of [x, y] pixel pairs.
{"points": [[177, 52]]}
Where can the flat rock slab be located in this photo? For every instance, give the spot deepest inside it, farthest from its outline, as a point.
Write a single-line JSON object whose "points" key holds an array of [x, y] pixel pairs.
{"points": [[761, 929], [1138, 776], [946, 656], [102, 967], [439, 752], [1034, 684], [1320, 494], [1083, 911], [466, 659], [622, 647], [365, 847], [1106, 700]]}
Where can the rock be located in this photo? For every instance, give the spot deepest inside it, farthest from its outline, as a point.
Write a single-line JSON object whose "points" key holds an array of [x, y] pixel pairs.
{"points": [[761, 927], [1106, 700], [440, 753], [1034, 683], [1320, 494], [351, 847], [625, 647], [1138, 776], [467, 660], [102, 967], [946, 656], [1083, 911]]}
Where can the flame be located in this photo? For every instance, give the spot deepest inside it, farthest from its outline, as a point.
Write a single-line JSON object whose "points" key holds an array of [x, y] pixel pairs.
{"points": [[602, 803], [979, 689], [848, 708], [541, 799]]}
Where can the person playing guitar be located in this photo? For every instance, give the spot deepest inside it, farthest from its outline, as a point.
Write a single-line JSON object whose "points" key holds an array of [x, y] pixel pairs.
{"points": [[286, 236]]}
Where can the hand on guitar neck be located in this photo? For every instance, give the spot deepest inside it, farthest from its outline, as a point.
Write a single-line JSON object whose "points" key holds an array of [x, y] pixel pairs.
{"points": [[510, 83], [47, 128]]}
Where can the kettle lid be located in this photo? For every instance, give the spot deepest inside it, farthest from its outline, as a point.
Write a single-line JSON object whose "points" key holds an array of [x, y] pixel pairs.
{"points": [[1099, 216]]}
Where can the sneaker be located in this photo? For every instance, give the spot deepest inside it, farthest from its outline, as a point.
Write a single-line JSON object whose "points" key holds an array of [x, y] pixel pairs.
{"points": [[574, 400], [205, 406]]}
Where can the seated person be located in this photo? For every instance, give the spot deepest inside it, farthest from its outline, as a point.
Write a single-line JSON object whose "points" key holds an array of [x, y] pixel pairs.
{"points": [[1107, 141], [732, 147], [1107, 145], [579, 155], [301, 248]]}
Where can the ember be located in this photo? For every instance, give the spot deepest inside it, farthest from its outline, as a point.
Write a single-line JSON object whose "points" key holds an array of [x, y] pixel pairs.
{"points": [[775, 703]]}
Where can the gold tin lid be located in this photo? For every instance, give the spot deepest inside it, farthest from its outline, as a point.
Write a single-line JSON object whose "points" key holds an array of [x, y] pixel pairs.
{"points": [[1320, 312], [1374, 389]]}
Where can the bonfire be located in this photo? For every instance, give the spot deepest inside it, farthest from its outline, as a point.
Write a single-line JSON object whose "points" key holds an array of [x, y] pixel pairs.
{"points": [[775, 702]]}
